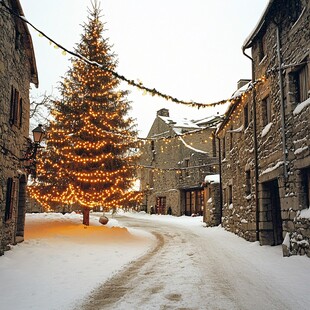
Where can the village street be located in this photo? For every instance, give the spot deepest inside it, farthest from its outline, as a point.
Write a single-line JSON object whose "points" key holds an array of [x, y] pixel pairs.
{"points": [[142, 261], [201, 268]]}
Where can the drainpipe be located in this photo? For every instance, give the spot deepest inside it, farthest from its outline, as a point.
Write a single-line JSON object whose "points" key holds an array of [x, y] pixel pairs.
{"points": [[255, 147], [282, 103], [220, 171]]}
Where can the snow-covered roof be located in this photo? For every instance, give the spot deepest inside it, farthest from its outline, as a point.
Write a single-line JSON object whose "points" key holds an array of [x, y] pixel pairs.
{"points": [[232, 106], [240, 91], [179, 125], [212, 178], [209, 120], [182, 122], [248, 41]]}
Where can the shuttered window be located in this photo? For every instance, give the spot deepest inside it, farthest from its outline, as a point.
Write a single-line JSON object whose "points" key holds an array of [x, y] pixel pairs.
{"points": [[303, 83], [10, 198], [16, 107]]}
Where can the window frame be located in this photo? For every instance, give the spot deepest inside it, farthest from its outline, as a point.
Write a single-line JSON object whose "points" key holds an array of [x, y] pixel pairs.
{"points": [[224, 147], [230, 194], [266, 110], [248, 183], [246, 116], [231, 138], [295, 10], [10, 199], [16, 108]]}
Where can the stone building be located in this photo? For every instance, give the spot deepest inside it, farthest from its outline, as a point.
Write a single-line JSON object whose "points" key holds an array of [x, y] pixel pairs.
{"points": [[265, 138], [175, 159], [17, 71]]}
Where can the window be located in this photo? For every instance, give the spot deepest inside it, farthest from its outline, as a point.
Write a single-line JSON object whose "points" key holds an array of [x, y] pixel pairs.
{"points": [[231, 141], [246, 116], [200, 202], [10, 198], [248, 182], [224, 148], [306, 187], [266, 111], [153, 149], [295, 9], [230, 194], [225, 196], [261, 49], [186, 165], [213, 145], [151, 178], [18, 39], [161, 205], [16, 108], [302, 81]]}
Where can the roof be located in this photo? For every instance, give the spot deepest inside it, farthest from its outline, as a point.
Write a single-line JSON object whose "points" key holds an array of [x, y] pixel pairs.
{"points": [[179, 124], [209, 121], [249, 40], [235, 96], [16, 6]]}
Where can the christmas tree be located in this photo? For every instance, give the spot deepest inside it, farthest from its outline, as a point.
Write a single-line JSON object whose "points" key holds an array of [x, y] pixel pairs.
{"points": [[90, 153]]}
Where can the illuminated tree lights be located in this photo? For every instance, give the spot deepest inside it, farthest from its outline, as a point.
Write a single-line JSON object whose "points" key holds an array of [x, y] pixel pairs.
{"points": [[85, 163]]}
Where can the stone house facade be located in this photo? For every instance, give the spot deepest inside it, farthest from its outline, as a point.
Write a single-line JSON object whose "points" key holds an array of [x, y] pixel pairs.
{"points": [[175, 158], [17, 71], [265, 138]]}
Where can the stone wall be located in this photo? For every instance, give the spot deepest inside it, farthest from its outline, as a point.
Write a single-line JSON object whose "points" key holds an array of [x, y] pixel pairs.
{"points": [[178, 164], [283, 138], [237, 168], [212, 212], [15, 71], [297, 242]]}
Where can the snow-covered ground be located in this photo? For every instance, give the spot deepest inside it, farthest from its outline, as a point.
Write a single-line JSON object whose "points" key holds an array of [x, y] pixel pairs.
{"points": [[61, 261]]}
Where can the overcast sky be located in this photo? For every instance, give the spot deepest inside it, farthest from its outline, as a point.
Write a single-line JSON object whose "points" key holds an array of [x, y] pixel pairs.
{"points": [[190, 50]]}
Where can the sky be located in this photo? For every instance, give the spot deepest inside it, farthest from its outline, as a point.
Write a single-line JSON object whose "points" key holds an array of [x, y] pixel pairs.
{"points": [[190, 50], [61, 262]]}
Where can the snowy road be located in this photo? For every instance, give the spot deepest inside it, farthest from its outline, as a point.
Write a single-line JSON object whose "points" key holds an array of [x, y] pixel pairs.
{"points": [[192, 268]]}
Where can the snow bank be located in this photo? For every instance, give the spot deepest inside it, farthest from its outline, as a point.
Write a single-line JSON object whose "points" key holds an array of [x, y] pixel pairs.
{"points": [[61, 261]]}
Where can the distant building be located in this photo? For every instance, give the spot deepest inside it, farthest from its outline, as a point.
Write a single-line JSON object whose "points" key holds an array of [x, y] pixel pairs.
{"points": [[17, 71], [265, 138], [175, 159]]}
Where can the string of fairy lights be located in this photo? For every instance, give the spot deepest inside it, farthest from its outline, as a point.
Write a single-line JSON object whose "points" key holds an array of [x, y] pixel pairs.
{"points": [[146, 90], [99, 176], [138, 84]]}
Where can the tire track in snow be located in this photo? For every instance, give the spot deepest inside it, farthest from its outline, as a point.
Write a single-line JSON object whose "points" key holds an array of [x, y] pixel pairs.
{"points": [[118, 285]]}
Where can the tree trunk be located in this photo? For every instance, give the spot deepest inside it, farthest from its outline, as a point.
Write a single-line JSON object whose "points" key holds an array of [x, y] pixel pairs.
{"points": [[86, 216]]}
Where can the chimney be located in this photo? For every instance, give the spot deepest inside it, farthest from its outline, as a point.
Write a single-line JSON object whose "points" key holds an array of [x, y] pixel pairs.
{"points": [[242, 82], [163, 112]]}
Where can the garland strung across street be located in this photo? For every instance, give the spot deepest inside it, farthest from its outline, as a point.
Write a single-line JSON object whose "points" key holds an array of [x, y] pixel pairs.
{"points": [[139, 84]]}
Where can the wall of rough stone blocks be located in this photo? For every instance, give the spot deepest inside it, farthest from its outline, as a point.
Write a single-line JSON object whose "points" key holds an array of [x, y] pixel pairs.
{"points": [[196, 148], [240, 217], [15, 71], [212, 212]]}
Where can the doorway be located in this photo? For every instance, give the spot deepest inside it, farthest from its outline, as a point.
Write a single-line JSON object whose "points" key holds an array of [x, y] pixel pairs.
{"points": [[161, 205], [271, 209], [21, 210]]}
